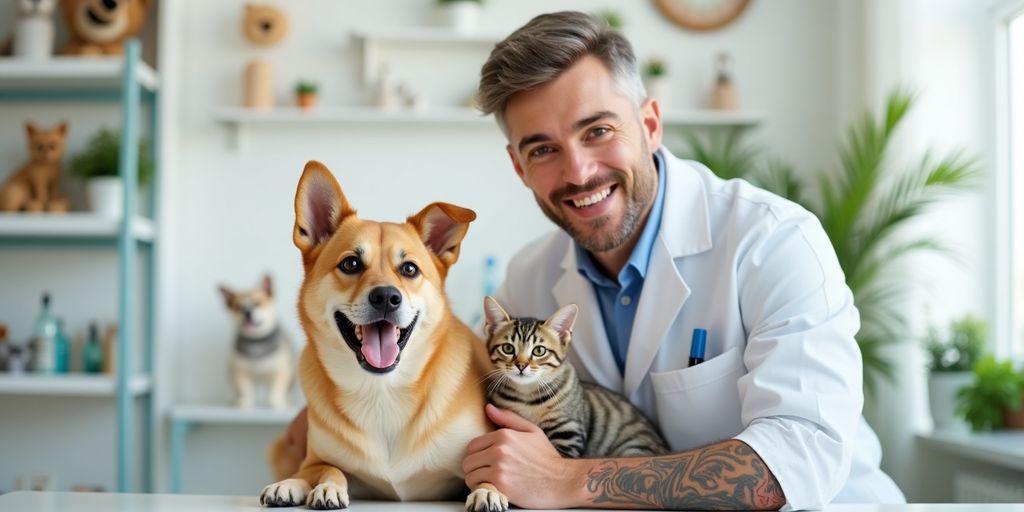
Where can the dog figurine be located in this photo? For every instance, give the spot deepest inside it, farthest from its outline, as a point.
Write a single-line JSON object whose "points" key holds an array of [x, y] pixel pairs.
{"points": [[100, 27], [35, 186], [262, 352], [393, 380]]}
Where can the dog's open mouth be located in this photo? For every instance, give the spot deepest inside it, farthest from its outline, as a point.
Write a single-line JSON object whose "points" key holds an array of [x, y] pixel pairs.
{"points": [[378, 346]]}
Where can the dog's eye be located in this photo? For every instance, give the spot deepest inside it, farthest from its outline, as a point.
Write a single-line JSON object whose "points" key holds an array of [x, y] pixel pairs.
{"points": [[508, 349], [539, 351], [350, 265], [409, 269]]}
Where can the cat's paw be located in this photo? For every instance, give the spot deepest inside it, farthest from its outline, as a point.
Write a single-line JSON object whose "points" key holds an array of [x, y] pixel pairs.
{"points": [[486, 498], [286, 493], [328, 496]]}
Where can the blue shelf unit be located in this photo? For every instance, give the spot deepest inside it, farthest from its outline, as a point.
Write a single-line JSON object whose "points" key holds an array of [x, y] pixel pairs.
{"points": [[129, 83]]}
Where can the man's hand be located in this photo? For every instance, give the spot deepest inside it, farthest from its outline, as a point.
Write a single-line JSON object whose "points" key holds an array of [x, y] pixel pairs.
{"points": [[520, 461], [296, 434]]}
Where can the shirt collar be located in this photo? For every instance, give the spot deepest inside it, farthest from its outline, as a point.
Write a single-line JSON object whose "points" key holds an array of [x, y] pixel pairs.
{"points": [[641, 254]]}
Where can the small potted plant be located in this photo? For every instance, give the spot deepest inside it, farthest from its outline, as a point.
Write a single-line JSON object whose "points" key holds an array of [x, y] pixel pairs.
{"points": [[461, 15], [305, 94], [951, 356], [993, 401], [98, 166], [612, 18], [656, 82]]}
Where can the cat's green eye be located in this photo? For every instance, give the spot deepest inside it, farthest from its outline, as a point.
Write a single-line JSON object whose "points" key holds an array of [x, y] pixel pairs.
{"points": [[539, 351], [508, 349]]}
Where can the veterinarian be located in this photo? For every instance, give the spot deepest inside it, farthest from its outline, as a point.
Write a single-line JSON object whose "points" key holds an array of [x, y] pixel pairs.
{"points": [[652, 247]]}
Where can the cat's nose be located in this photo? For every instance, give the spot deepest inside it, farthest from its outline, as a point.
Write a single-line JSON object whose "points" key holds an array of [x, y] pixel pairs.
{"points": [[521, 366]]}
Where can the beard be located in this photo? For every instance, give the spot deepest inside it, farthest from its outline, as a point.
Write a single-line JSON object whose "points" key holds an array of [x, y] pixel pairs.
{"points": [[605, 233]]}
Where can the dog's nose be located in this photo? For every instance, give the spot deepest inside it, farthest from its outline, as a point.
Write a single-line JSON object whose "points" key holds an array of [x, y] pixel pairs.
{"points": [[521, 366], [385, 298]]}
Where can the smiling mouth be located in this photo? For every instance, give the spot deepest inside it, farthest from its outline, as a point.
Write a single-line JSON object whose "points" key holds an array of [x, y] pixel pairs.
{"points": [[591, 199], [378, 345]]}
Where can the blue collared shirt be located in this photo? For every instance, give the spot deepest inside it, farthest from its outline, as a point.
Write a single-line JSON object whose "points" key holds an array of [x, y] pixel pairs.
{"points": [[618, 300]]}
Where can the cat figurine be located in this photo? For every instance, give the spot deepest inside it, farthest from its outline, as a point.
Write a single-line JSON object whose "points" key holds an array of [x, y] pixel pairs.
{"points": [[530, 376], [35, 187]]}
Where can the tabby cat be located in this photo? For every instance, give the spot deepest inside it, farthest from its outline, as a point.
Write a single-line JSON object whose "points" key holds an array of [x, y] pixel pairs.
{"points": [[530, 376]]}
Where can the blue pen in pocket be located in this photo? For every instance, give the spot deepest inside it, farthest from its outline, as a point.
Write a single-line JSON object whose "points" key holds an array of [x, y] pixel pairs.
{"points": [[700, 337]]}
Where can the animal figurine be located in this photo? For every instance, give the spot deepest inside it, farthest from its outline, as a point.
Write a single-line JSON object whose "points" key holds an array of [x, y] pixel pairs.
{"points": [[35, 186], [100, 27], [265, 26], [33, 32], [262, 352]]}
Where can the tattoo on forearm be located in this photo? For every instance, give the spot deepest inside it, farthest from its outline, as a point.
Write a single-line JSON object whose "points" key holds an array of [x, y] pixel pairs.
{"points": [[724, 476]]}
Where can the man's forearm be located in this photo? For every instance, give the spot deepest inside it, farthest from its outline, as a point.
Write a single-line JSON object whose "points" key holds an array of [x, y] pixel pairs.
{"points": [[725, 476]]}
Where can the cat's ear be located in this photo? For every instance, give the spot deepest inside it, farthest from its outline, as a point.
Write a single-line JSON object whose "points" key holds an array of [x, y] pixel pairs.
{"points": [[562, 322], [493, 315]]}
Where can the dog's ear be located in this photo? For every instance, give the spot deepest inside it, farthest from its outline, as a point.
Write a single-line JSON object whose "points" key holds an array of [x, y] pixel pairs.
{"points": [[493, 315], [562, 321], [441, 227], [319, 207], [267, 285], [229, 296]]}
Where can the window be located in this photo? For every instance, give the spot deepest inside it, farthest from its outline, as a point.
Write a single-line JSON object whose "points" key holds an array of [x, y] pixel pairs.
{"points": [[1010, 45]]}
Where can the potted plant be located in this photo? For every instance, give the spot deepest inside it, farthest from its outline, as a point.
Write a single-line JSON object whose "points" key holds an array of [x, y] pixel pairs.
{"points": [[98, 166], [305, 94], [950, 360], [993, 401], [656, 82], [461, 15], [612, 18]]}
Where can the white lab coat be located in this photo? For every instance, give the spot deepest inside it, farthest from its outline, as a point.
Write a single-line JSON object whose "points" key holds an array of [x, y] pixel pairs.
{"points": [[782, 371]]}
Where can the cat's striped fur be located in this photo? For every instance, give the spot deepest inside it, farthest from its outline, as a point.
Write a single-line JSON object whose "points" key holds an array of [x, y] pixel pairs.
{"points": [[529, 375]]}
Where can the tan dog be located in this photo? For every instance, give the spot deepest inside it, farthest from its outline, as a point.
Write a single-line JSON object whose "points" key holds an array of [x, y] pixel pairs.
{"points": [[36, 186], [100, 27], [393, 380]]}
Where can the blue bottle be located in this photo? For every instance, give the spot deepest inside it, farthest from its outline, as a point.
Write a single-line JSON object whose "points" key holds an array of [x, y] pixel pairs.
{"points": [[62, 349]]}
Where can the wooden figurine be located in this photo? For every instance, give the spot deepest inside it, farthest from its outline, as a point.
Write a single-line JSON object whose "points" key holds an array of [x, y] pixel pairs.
{"points": [[35, 187], [724, 95], [265, 26]]}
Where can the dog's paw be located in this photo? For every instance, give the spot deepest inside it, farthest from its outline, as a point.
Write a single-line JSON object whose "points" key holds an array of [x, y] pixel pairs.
{"points": [[328, 496], [485, 499], [286, 493]]}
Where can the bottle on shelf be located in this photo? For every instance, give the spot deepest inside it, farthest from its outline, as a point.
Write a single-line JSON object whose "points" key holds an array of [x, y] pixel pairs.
{"points": [[44, 340], [62, 349], [92, 351]]}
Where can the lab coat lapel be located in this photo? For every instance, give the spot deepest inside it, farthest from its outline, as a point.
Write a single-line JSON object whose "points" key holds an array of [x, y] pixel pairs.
{"points": [[589, 341], [685, 230]]}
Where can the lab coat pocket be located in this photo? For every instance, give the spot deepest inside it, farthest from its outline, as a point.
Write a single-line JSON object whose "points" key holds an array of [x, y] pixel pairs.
{"points": [[700, 405]]}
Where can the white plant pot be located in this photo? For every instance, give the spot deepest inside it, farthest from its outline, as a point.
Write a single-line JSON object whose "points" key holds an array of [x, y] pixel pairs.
{"points": [[942, 400], [660, 88], [33, 38], [106, 196], [462, 17]]}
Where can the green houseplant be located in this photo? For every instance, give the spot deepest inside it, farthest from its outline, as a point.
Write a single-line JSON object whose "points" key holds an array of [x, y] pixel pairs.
{"points": [[862, 205], [97, 164], [951, 356], [657, 83], [305, 94], [995, 393]]}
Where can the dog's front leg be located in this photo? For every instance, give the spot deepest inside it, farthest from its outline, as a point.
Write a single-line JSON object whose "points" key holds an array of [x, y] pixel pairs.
{"points": [[330, 493], [243, 387], [486, 498], [278, 392]]}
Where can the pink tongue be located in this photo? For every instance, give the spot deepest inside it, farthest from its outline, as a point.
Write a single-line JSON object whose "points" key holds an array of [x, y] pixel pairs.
{"points": [[380, 346]]}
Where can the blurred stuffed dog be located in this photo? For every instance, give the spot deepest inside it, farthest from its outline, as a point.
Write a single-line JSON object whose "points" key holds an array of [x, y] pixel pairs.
{"points": [[262, 352], [394, 381]]}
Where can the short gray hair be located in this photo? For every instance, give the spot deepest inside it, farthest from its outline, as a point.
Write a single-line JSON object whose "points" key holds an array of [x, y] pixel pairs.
{"points": [[544, 48]]}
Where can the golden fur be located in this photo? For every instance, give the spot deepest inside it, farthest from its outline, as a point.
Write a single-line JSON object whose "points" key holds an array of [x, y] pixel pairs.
{"points": [[96, 29], [35, 187], [397, 434]]}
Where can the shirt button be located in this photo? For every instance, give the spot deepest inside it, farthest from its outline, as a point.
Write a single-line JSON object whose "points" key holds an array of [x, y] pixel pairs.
{"points": [[625, 300]]}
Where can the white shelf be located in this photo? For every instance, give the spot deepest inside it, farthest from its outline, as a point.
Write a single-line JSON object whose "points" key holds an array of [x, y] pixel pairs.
{"points": [[1004, 448], [71, 384], [226, 414], [424, 35], [66, 72], [70, 225]]}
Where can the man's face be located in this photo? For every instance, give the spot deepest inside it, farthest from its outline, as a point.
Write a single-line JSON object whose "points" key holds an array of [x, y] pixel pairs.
{"points": [[583, 149]]}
